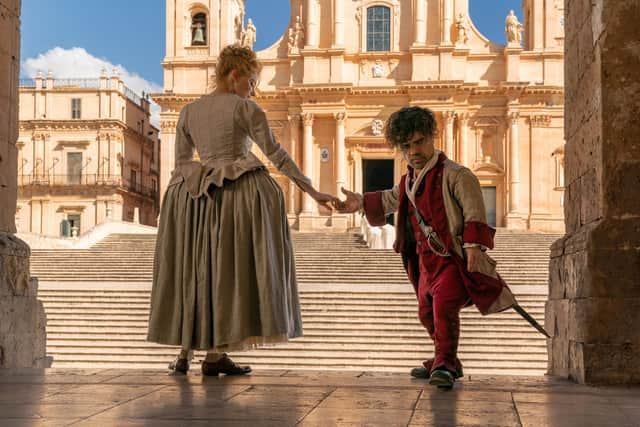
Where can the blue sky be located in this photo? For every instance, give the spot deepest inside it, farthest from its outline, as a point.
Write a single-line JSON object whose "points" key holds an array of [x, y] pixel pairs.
{"points": [[130, 34]]}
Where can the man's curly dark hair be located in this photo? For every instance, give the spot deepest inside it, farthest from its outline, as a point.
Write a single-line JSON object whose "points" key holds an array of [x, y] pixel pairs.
{"points": [[404, 122]]}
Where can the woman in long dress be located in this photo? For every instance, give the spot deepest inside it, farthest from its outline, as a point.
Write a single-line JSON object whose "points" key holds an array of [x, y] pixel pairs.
{"points": [[224, 273]]}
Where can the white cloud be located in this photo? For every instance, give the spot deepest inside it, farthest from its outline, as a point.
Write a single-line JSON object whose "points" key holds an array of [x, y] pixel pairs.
{"points": [[77, 63]]}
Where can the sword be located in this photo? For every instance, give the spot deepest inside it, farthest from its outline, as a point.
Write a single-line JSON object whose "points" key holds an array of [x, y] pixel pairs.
{"points": [[526, 316]]}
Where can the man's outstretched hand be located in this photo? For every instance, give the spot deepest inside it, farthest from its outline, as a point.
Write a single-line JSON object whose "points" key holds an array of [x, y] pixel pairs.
{"points": [[353, 202]]}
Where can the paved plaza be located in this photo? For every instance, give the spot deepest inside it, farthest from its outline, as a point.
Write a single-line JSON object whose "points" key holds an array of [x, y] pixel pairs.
{"points": [[58, 397]]}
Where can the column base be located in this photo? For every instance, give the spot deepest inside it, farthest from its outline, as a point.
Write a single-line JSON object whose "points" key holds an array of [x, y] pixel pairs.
{"points": [[515, 221], [308, 222], [22, 318]]}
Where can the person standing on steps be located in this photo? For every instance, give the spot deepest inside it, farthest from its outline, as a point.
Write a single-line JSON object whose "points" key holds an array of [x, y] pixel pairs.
{"points": [[442, 237], [224, 273]]}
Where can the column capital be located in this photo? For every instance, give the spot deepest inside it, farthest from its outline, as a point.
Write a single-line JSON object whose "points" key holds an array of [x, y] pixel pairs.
{"points": [[448, 116], [168, 125], [513, 116], [463, 117], [340, 116], [294, 118], [307, 118]]}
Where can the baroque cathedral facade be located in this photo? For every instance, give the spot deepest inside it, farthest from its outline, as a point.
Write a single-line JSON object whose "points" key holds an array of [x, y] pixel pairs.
{"points": [[343, 66]]}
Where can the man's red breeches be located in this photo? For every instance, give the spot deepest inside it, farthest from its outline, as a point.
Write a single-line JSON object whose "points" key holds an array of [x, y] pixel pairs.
{"points": [[441, 296]]}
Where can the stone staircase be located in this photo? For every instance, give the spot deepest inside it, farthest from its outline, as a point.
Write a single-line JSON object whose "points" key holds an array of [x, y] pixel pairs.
{"points": [[359, 310]]}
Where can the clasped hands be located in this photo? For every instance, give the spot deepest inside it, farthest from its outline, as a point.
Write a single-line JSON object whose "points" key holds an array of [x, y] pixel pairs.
{"points": [[353, 202]]}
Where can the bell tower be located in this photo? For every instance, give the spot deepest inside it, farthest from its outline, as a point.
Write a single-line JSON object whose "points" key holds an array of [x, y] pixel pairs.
{"points": [[196, 30], [543, 24]]}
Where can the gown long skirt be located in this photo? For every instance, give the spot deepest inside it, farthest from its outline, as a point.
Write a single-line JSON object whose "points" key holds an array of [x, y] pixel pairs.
{"points": [[224, 271]]}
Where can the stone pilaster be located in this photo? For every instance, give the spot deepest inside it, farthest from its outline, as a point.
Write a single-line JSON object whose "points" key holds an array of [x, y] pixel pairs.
{"points": [[22, 319], [307, 159], [593, 310]]}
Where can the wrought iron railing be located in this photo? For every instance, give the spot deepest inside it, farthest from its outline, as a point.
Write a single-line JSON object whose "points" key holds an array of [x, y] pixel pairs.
{"points": [[52, 180]]}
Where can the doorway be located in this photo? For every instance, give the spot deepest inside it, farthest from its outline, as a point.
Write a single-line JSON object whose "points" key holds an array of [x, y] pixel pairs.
{"points": [[377, 174], [489, 196]]}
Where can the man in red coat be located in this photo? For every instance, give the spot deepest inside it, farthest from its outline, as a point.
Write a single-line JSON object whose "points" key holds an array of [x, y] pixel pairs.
{"points": [[442, 244]]}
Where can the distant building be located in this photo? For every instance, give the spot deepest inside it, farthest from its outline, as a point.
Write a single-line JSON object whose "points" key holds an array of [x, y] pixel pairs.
{"points": [[87, 154], [342, 67]]}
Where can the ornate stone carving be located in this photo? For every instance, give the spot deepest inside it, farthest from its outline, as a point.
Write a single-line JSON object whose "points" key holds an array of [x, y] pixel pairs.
{"points": [[249, 35], [168, 126], [448, 116], [463, 28], [307, 119], [296, 36], [514, 29], [340, 116], [377, 126], [540, 121], [377, 71]]}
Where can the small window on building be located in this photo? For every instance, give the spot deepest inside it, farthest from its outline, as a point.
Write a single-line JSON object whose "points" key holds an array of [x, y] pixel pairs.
{"points": [[378, 29], [154, 185], [76, 108], [74, 168], [199, 29]]}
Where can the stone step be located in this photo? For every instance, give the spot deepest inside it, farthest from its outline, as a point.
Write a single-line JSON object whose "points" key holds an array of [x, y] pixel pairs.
{"points": [[381, 343]]}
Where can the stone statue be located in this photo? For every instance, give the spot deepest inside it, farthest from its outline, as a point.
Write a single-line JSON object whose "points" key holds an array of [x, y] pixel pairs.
{"points": [[249, 35], [513, 28], [237, 28], [296, 36], [461, 26]]}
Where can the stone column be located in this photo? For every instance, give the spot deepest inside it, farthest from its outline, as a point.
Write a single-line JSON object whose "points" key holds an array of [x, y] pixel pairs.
{"points": [[341, 156], [22, 319], [307, 159], [294, 132], [420, 36], [514, 165], [167, 155], [338, 23], [446, 21], [313, 31], [448, 134], [463, 119], [593, 312]]}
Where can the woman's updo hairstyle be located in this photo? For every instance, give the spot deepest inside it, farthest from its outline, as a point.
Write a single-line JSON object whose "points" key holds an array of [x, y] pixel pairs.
{"points": [[239, 58]]}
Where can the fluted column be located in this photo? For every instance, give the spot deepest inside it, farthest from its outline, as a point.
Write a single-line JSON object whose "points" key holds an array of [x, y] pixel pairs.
{"points": [[420, 37], [448, 134], [313, 34], [338, 23], [514, 165], [341, 158], [357, 176], [446, 24], [464, 139], [307, 159], [294, 128]]}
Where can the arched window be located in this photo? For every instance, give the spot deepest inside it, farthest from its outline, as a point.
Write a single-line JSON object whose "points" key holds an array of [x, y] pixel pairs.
{"points": [[199, 29], [378, 29]]}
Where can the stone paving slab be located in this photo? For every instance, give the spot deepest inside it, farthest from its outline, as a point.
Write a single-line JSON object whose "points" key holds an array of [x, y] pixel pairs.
{"points": [[120, 397]]}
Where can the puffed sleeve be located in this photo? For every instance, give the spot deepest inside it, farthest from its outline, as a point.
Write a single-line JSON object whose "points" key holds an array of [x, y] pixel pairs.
{"points": [[467, 191], [184, 147], [378, 204], [250, 117]]}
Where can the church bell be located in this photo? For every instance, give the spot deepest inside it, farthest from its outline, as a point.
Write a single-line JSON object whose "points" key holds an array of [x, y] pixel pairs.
{"points": [[198, 37]]}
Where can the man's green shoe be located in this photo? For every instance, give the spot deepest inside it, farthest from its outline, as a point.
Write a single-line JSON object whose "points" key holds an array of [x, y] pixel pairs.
{"points": [[420, 372], [442, 379]]}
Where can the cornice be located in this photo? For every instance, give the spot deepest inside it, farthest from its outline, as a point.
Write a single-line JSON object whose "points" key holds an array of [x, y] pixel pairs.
{"points": [[74, 125]]}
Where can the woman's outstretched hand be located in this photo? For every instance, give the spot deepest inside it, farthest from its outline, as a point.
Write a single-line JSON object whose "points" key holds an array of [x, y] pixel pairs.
{"points": [[324, 199]]}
